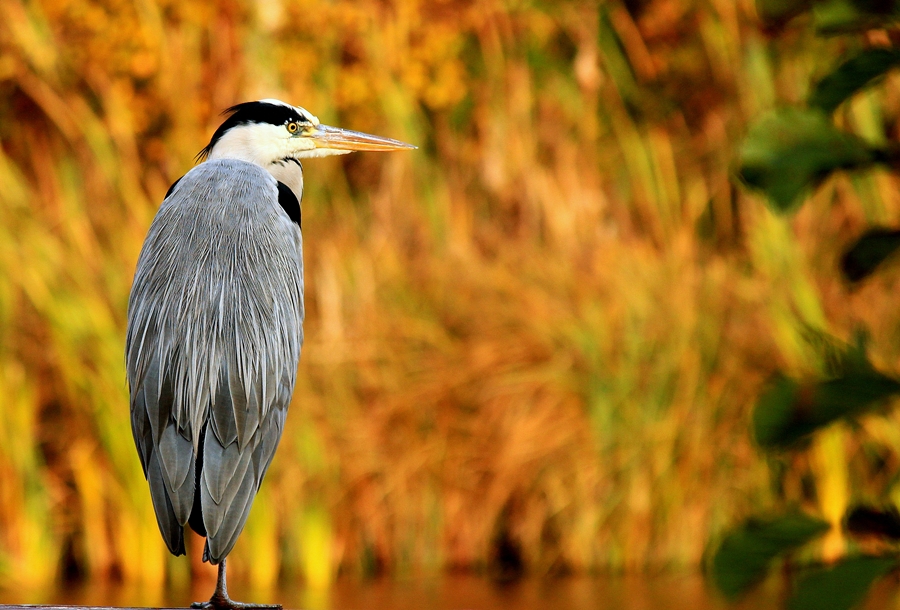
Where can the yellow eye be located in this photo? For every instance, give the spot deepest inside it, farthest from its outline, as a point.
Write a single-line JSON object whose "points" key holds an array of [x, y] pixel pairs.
{"points": [[293, 127]]}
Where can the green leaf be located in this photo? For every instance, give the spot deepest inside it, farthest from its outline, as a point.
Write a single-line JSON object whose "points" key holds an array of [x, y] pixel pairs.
{"points": [[745, 554], [774, 417], [615, 58], [790, 410], [868, 252], [851, 76], [791, 149], [837, 16], [841, 586]]}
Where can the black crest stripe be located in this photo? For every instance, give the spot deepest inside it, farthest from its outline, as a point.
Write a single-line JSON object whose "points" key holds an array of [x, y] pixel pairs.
{"points": [[289, 203]]}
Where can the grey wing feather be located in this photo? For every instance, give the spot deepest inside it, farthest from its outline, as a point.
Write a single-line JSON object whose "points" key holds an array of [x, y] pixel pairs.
{"points": [[222, 418], [224, 521], [232, 474], [269, 436], [214, 336], [166, 457], [233, 522], [140, 429], [172, 531], [176, 456], [224, 470]]}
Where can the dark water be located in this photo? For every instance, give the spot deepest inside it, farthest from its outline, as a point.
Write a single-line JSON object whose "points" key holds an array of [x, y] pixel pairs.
{"points": [[661, 592], [670, 592]]}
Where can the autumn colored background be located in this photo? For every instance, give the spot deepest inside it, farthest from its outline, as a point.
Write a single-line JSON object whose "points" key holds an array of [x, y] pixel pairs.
{"points": [[531, 346]]}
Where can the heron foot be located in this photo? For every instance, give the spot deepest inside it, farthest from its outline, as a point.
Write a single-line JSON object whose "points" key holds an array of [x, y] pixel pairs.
{"points": [[223, 603]]}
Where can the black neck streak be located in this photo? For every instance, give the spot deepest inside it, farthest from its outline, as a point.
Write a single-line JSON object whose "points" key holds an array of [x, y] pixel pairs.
{"points": [[289, 202]]}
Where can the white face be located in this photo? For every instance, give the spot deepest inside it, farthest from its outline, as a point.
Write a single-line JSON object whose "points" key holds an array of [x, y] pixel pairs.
{"points": [[271, 132], [265, 143]]}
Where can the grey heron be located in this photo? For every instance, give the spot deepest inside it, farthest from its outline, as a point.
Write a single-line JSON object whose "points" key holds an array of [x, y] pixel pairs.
{"points": [[215, 322]]}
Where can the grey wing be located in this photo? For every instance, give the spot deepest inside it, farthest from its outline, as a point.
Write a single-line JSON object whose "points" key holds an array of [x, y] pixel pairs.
{"points": [[238, 445], [166, 454], [214, 335]]}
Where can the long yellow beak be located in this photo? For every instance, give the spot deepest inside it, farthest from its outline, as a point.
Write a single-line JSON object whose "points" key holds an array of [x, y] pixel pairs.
{"points": [[335, 138]]}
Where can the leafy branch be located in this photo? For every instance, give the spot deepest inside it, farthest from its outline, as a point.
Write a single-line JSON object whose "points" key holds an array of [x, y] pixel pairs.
{"points": [[788, 153]]}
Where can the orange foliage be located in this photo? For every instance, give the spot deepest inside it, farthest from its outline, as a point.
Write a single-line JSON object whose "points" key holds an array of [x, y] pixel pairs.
{"points": [[532, 344]]}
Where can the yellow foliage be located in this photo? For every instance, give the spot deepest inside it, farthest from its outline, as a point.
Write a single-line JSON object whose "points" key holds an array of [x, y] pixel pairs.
{"points": [[541, 333]]}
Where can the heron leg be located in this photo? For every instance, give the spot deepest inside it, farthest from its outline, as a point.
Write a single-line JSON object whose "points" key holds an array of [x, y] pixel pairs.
{"points": [[221, 601]]}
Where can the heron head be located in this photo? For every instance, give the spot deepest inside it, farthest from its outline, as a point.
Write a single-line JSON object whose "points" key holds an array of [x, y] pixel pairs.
{"points": [[270, 132]]}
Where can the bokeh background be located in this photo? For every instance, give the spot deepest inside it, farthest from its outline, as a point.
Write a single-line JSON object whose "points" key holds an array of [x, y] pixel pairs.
{"points": [[532, 345]]}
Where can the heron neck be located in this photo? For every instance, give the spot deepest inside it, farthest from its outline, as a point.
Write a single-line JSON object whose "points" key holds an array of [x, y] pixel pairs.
{"points": [[247, 145], [290, 173]]}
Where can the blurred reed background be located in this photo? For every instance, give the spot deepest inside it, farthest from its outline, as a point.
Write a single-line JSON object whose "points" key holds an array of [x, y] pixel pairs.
{"points": [[532, 345]]}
